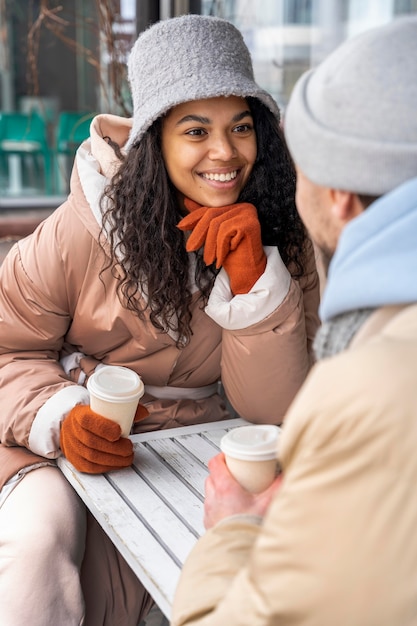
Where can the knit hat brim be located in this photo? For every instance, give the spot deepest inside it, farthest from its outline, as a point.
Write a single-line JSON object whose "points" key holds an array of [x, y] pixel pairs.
{"points": [[243, 88]]}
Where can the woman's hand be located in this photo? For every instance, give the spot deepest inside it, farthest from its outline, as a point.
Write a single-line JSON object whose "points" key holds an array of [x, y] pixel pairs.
{"points": [[225, 497], [231, 236], [93, 443]]}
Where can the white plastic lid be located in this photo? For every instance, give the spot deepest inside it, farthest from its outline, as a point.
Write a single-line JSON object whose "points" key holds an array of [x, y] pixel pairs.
{"points": [[250, 443], [115, 383]]}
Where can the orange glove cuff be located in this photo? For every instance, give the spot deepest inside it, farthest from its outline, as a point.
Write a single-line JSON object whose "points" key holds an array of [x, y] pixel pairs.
{"points": [[141, 413]]}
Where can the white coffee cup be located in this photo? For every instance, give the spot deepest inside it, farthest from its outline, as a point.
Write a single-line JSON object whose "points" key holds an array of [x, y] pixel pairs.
{"points": [[251, 455], [115, 393]]}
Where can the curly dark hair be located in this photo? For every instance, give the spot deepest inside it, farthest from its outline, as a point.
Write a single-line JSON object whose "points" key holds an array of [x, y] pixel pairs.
{"points": [[141, 213]]}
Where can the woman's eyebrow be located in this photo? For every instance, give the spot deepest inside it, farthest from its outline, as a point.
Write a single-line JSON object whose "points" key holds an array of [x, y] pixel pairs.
{"points": [[239, 116], [193, 118], [205, 120]]}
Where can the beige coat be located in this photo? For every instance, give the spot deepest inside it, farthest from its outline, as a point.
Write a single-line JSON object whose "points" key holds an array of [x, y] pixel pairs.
{"points": [[339, 544], [52, 304]]}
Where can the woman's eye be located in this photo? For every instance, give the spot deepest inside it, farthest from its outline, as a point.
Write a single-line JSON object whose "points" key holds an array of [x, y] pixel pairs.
{"points": [[243, 128], [195, 132]]}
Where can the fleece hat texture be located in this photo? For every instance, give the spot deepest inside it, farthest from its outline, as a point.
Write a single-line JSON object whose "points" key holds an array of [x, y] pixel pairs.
{"points": [[192, 57], [351, 123]]}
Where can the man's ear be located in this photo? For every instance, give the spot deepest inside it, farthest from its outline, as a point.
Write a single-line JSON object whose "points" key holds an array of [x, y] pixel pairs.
{"points": [[345, 205]]}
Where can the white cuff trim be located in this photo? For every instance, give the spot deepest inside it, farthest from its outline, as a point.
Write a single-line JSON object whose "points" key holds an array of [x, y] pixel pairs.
{"points": [[45, 431], [71, 362], [243, 310]]}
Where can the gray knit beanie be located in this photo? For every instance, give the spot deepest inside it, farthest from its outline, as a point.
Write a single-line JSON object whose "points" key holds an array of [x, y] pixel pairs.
{"points": [[352, 123], [192, 57]]}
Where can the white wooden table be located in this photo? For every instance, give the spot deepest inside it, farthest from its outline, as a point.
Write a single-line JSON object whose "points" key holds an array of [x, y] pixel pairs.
{"points": [[153, 511]]}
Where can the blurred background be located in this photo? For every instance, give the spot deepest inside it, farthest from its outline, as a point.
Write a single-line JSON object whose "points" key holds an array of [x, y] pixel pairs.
{"points": [[61, 61]]}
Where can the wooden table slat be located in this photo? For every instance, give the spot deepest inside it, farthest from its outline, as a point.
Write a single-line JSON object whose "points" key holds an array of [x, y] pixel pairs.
{"points": [[199, 446], [192, 471], [174, 491], [154, 514]]}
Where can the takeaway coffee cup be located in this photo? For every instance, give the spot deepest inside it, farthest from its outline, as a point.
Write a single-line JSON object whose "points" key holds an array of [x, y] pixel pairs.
{"points": [[251, 455], [115, 393]]}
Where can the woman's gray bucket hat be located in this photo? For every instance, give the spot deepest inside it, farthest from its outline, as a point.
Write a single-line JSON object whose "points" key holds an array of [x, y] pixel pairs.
{"points": [[192, 57]]}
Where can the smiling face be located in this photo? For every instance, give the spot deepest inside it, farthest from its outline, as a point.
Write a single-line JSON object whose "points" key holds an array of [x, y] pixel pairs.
{"points": [[209, 149]]}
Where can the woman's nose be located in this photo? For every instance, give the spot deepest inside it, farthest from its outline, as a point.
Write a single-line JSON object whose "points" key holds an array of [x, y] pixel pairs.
{"points": [[221, 148]]}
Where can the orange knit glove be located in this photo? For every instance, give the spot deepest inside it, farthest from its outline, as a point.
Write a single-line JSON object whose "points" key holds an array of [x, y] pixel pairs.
{"points": [[231, 236], [92, 443]]}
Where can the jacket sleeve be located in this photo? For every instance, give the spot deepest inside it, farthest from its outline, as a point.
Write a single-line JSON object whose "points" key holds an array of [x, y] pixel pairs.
{"points": [[310, 286], [35, 393], [338, 545], [267, 338]]}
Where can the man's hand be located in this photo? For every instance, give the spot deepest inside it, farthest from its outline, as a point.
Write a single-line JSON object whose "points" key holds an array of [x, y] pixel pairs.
{"points": [[225, 497], [231, 236], [92, 443]]}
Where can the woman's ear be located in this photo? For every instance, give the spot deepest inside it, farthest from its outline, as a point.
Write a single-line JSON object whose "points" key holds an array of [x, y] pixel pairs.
{"points": [[345, 205]]}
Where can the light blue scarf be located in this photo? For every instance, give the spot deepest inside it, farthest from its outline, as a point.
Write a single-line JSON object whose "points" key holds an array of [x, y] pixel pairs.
{"points": [[376, 259]]}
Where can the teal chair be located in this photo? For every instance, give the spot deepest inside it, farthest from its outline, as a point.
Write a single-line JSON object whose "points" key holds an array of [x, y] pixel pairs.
{"points": [[72, 128], [23, 139]]}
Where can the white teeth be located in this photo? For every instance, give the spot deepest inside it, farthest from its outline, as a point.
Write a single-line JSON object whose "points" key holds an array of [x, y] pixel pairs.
{"points": [[221, 177]]}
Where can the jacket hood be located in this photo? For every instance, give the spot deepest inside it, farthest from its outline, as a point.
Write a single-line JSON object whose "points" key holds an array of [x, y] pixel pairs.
{"points": [[375, 263], [95, 159], [117, 129]]}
